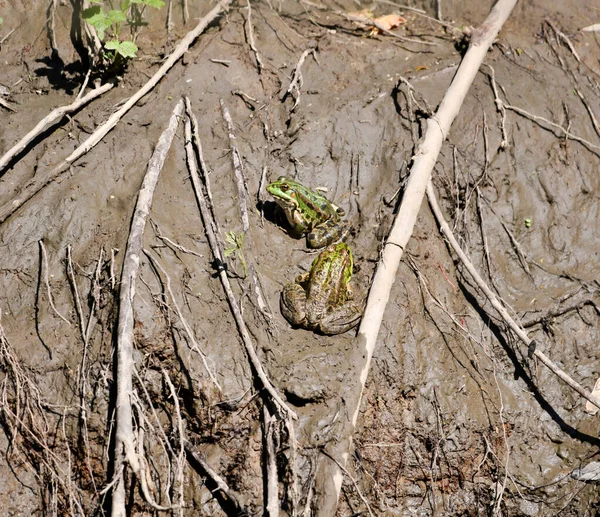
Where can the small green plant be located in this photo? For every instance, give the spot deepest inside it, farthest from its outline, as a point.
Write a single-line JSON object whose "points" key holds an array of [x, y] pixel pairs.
{"points": [[110, 21], [527, 222], [235, 241]]}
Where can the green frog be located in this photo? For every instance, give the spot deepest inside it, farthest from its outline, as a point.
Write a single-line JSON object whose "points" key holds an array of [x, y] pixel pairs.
{"points": [[321, 300], [309, 213]]}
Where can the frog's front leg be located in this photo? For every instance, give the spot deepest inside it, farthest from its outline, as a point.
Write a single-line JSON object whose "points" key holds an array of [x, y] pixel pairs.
{"points": [[342, 318], [327, 233], [293, 304]]}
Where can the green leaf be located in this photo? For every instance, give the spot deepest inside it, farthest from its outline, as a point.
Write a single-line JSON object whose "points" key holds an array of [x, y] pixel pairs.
{"points": [[113, 44], [92, 13], [125, 5], [1, 21], [128, 49], [96, 17], [116, 17], [96, 1]]}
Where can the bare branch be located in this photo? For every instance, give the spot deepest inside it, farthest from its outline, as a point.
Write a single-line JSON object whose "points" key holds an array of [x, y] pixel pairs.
{"points": [[55, 115], [124, 448]]}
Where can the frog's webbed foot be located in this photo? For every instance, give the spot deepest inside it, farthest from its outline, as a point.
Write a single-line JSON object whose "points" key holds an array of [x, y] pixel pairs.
{"points": [[342, 318], [327, 233], [293, 304]]}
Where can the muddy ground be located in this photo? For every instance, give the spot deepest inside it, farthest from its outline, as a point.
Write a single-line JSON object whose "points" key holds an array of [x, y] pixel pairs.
{"points": [[456, 419]]}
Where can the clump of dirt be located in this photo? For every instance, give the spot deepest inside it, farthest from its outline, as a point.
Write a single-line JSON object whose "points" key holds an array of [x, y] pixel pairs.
{"points": [[456, 418]]}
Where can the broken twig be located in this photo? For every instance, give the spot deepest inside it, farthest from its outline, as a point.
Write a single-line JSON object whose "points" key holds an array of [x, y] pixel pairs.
{"points": [[124, 448], [55, 115], [259, 63], [296, 83]]}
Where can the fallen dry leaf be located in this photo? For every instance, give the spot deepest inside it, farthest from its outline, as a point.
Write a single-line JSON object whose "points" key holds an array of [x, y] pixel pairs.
{"points": [[422, 67], [389, 21]]}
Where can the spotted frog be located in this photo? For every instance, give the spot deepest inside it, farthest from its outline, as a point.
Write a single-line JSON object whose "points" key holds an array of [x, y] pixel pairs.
{"points": [[309, 213], [321, 300]]}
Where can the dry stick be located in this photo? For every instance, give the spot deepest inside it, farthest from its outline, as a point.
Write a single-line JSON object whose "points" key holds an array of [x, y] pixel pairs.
{"points": [[181, 454], [499, 107], [293, 492], [6, 105], [356, 487], [237, 167], [502, 107], [216, 479], [296, 82], [47, 282], [566, 133], [186, 12], [169, 18], [51, 28], [2, 40], [272, 485], [233, 304], [85, 336], [566, 40], [242, 191], [260, 199], [424, 160], [259, 63], [517, 248], [124, 448], [172, 244], [590, 112], [186, 326], [200, 155], [519, 331], [43, 179], [52, 117], [143, 474]]}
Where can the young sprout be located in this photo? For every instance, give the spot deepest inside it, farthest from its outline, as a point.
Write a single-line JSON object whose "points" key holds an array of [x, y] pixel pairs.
{"points": [[236, 241]]}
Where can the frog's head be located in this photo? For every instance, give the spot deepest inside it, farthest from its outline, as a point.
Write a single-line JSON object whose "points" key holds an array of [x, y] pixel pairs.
{"points": [[284, 192]]}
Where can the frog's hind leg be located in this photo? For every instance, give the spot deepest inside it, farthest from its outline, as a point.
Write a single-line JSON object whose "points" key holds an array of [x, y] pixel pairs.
{"points": [[341, 319], [327, 233], [293, 304]]}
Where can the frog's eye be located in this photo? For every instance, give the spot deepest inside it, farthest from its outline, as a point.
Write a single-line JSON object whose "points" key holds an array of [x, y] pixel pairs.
{"points": [[285, 187]]}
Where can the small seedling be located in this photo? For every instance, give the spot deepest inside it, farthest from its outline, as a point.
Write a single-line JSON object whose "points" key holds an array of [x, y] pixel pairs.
{"points": [[235, 241], [110, 22], [527, 222]]}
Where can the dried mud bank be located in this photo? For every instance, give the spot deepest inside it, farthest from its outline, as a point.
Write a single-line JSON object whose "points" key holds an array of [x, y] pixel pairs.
{"points": [[457, 419]]}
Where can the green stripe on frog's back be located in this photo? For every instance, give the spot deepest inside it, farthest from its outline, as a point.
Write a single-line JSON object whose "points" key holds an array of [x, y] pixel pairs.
{"points": [[317, 208]]}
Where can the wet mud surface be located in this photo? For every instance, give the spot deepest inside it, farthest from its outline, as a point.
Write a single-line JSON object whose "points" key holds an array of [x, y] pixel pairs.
{"points": [[456, 419]]}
